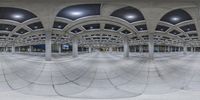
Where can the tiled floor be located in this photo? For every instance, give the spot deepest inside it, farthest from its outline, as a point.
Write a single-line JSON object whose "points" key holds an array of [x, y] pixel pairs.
{"points": [[101, 76]]}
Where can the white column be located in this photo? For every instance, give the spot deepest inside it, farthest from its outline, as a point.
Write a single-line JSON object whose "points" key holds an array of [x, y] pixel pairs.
{"points": [[74, 47], [118, 49], [165, 48], [172, 48], [126, 47], [184, 49], [151, 46], [169, 50], [59, 48], [110, 49], [179, 49], [90, 49], [13, 49], [48, 46], [19, 48], [134, 49], [5, 49], [30, 49], [140, 48]]}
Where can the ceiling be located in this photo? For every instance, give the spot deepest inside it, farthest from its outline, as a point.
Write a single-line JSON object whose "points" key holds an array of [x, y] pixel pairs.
{"points": [[23, 26]]}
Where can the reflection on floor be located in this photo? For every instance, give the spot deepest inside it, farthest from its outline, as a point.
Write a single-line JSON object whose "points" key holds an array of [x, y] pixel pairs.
{"points": [[101, 76]]}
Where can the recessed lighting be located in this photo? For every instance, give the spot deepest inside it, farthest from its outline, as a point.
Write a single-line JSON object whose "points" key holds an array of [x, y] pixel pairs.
{"points": [[112, 28], [141, 29], [188, 29], [6, 28], [175, 19], [76, 13], [17, 16], [91, 27], [130, 16], [35, 27], [59, 26], [161, 29]]}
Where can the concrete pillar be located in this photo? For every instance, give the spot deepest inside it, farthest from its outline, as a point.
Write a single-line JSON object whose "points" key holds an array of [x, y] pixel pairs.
{"points": [[140, 49], [151, 46], [19, 48], [165, 48], [59, 48], [126, 47], [118, 49], [5, 49], [158, 48], [48, 46], [179, 49], [171, 49], [110, 49], [192, 49], [184, 49], [75, 47], [90, 49], [13, 49], [30, 49], [168, 48], [134, 49]]}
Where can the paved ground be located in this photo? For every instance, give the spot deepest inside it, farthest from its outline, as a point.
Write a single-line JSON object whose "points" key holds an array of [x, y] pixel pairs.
{"points": [[100, 76]]}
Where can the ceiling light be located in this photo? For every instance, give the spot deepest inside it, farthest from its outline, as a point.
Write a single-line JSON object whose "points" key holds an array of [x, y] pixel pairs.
{"points": [[76, 13], [91, 27], [174, 32], [6, 28], [59, 26], [175, 19], [17, 16], [35, 27], [130, 16]]}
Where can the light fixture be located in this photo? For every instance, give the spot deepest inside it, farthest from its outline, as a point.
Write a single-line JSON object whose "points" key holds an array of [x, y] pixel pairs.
{"points": [[91, 27], [6, 28], [59, 26], [35, 27], [161, 29], [175, 19], [188, 29], [130, 16], [174, 32], [76, 13], [17, 16]]}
